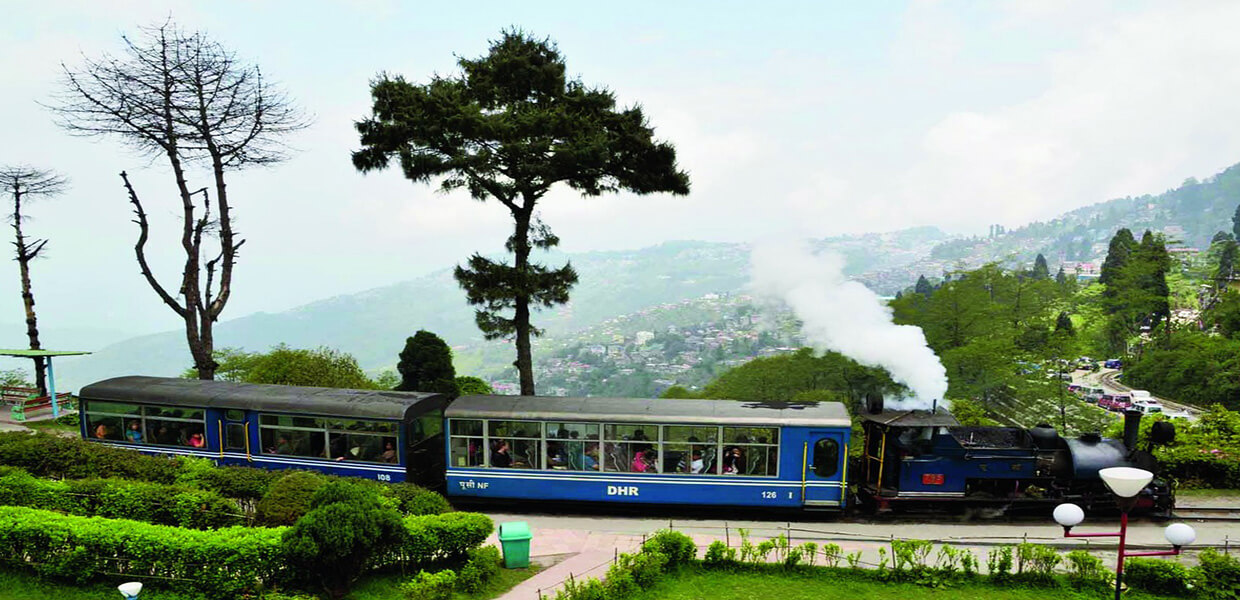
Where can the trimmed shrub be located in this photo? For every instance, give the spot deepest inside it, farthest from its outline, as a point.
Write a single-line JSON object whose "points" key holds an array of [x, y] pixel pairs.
{"points": [[430, 586], [242, 483], [483, 563], [431, 538], [121, 499], [719, 554], [46, 455], [677, 547], [1161, 577], [225, 563], [288, 498], [343, 533], [1216, 576], [414, 500]]}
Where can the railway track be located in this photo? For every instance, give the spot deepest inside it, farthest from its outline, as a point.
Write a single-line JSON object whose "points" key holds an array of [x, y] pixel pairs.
{"points": [[1208, 513]]}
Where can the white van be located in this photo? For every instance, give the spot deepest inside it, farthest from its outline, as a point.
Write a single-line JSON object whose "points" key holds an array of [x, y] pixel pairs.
{"points": [[1139, 394], [1147, 406]]}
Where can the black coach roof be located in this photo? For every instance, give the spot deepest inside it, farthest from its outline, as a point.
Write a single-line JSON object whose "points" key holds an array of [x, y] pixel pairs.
{"points": [[658, 410], [331, 402]]}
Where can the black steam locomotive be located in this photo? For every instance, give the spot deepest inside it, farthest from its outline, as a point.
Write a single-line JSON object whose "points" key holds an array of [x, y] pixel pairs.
{"points": [[913, 458]]}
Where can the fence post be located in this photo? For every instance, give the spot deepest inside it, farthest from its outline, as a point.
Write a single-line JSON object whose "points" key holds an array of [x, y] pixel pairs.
{"points": [[1227, 545], [727, 538]]}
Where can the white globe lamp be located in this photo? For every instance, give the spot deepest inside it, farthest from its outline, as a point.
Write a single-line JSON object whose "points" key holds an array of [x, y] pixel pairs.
{"points": [[1126, 482], [130, 590], [1180, 535], [1069, 515]]}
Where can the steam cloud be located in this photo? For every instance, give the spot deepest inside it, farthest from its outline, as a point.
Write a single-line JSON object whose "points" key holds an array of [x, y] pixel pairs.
{"points": [[847, 317]]}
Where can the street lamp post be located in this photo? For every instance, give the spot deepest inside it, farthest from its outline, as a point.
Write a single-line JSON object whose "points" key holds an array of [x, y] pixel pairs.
{"points": [[1125, 483], [130, 590]]}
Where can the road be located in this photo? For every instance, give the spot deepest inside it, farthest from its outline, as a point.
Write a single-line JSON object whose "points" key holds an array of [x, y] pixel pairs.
{"points": [[1107, 380]]}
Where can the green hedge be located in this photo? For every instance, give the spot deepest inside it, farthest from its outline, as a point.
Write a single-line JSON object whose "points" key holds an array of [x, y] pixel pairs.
{"points": [[47, 455], [443, 537], [122, 499], [224, 563]]}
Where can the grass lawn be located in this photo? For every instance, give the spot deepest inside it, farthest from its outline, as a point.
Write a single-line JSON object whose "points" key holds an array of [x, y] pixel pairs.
{"points": [[52, 426], [21, 586], [715, 585]]}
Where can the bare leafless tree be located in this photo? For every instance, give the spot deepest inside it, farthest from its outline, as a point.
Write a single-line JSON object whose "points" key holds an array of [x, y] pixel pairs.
{"points": [[23, 184], [181, 96]]}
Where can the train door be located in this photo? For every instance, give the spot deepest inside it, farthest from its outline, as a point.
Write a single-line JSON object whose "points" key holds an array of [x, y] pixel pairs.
{"points": [[235, 433], [824, 469]]}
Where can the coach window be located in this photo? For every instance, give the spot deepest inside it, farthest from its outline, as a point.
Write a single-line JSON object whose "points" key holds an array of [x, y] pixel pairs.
{"points": [[750, 451], [292, 436], [110, 420], [515, 444], [690, 449], [467, 443], [631, 448], [367, 441], [826, 457], [573, 446], [174, 426]]}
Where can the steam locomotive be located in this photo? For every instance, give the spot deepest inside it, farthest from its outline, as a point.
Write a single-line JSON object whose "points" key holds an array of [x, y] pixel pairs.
{"points": [[614, 450]]}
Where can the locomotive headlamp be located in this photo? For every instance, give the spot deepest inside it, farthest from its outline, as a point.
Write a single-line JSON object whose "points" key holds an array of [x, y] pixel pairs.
{"points": [[1126, 482], [1069, 515], [130, 590], [1180, 534]]}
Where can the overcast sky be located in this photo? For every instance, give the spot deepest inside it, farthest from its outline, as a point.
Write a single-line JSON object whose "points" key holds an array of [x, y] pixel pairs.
{"points": [[805, 119]]}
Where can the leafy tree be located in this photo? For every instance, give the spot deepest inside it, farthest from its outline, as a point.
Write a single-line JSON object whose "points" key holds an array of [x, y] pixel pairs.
{"points": [[508, 128], [970, 413], [1063, 324], [677, 391], [426, 365], [1061, 278], [320, 367], [1122, 245], [781, 378], [473, 386], [923, 286], [1040, 269], [184, 97], [1225, 314], [1228, 253], [1235, 223], [25, 184]]}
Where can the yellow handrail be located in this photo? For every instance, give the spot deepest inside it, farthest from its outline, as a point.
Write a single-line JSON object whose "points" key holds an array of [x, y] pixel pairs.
{"points": [[882, 455], [844, 476], [219, 426], [247, 442], [804, 468]]}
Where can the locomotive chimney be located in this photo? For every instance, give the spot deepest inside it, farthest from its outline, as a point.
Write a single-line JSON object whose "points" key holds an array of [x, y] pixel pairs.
{"points": [[934, 408], [1132, 425]]}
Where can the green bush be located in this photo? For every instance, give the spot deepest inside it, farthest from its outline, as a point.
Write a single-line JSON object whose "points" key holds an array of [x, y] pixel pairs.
{"points": [[999, 563], [288, 498], [449, 536], [1086, 570], [224, 563], [677, 547], [483, 563], [430, 586], [719, 554], [1161, 577], [415, 500], [1036, 562], [118, 498], [346, 530], [1216, 576], [46, 455]]}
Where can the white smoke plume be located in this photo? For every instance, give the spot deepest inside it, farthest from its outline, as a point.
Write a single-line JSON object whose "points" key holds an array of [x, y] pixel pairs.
{"points": [[847, 317]]}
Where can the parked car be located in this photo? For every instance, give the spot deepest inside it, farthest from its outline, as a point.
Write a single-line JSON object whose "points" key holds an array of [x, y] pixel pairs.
{"points": [[1115, 402], [1075, 388], [1114, 363], [1147, 406], [1093, 394]]}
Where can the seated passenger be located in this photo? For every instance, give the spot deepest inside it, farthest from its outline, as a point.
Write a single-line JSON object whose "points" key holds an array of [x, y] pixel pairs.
{"points": [[500, 457], [101, 431], [134, 434], [591, 458], [696, 465], [389, 453], [643, 462], [196, 440], [282, 446], [733, 460]]}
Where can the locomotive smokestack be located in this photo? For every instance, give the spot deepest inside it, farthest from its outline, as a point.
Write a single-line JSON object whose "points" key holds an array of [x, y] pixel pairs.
{"points": [[1132, 426], [934, 408]]}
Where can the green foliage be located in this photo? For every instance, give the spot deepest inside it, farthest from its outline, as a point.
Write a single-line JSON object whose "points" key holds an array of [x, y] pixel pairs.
{"points": [[121, 499], [677, 391], [282, 365], [910, 554], [970, 413], [288, 498], [345, 530], [15, 378], [1086, 570], [468, 385], [46, 455], [719, 554], [220, 564], [1217, 575], [1163, 577], [1036, 561], [430, 586], [426, 365], [782, 378], [677, 547], [415, 500], [483, 563], [448, 536], [999, 563]]}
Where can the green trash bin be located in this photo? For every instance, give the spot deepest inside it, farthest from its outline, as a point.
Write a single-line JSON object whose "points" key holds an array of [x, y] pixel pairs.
{"points": [[515, 538]]}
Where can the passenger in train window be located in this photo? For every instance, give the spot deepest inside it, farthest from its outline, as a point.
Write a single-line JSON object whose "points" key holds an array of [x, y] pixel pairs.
{"points": [[696, 465], [591, 457], [196, 440], [573, 450], [134, 434], [500, 457], [733, 459], [389, 452], [282, 446], [644, 460], [101, 431]]}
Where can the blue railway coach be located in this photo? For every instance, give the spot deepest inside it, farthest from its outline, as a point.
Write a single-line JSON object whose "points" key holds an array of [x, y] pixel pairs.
{"points": [[666, 451], [382, 435]]}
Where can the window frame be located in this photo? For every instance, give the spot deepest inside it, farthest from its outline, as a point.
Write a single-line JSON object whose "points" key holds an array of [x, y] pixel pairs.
{"points": [[142, 417]]}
